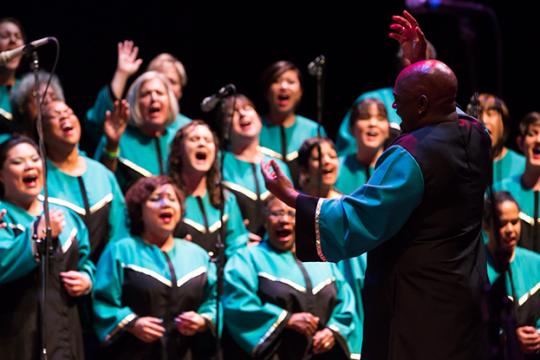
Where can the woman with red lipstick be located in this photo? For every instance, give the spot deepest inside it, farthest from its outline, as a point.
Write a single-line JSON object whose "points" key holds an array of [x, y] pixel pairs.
{"points": [[11, 37], [70, 272], [241, 163], [371, 130], [525, 266], [138, 136], [283, 130], [154, 296], [276, 307], [194, 169]]}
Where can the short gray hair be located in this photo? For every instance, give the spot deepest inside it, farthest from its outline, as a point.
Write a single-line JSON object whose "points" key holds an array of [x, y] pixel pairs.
{"points": [[23, 90], [133, 97]]}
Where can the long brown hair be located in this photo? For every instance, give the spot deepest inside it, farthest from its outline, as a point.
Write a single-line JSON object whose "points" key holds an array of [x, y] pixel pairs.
{"points": [[176, 165]]}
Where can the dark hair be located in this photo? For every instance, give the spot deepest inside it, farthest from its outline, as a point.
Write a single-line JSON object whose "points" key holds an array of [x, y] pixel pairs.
{"points": [[531, 118], [224, 110], [304, 152], [176, 165], [8, 145], [487, 102], [16, 22], [275, 70], [361, 110], [140, 192], [499, 197]]}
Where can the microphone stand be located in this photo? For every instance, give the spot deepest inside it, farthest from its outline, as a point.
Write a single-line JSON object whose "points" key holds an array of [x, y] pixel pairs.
{"points": [[316, 69], [220, 245], [44, 245]]}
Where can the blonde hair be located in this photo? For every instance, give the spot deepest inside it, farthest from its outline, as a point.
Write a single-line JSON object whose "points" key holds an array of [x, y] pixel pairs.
{"points": [[156, 63], [134, 95]]}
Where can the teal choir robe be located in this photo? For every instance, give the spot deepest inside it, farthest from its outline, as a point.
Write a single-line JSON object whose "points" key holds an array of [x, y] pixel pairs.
{"points": [[264, 287], [526, 277], [20, 287], [245, 181], [96, 197], [95, 116], [352, 174], [6, 115], [283, 142], [136, 279], [202, 221], [511, 164], [529, 205], [140, 155]]}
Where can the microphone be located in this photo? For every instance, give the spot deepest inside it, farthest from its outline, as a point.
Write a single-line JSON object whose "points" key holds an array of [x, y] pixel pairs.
{"points": [[209, 103], [316, 66], [8, 55]]}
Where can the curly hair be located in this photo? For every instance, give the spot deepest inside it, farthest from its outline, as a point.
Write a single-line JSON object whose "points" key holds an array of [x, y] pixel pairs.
{"points": [[176, 165], [140, 192]]}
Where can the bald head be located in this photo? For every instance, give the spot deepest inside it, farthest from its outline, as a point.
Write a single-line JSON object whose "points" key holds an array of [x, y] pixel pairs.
{"points": [[425, 93]]}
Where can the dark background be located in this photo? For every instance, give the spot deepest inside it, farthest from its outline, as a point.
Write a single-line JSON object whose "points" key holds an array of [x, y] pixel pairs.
{"points": [[233, 43]]}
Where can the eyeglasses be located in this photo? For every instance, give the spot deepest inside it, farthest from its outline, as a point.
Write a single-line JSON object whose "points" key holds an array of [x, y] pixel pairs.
{"points": [[282, 213]]}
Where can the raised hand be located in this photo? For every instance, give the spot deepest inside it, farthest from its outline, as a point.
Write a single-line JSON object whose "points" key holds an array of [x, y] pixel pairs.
{"points": [[278, 183], [407, 32], [323, 341], [189, 323], [115, 124], [127, 58], [127, 65], [147, 329]]}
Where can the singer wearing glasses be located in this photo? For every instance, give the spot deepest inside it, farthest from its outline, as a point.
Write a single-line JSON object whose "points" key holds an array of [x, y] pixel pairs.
{"points": [[283, 130], [137, 138], [241, 162], [70, 271], [276, 307], [11, 37], [155, 295], [194, 168]]}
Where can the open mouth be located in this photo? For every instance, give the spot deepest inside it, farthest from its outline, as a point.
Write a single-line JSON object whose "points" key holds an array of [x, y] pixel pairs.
{"points": [[328, 171], [30, 180], [283, 233], [154, 109], [201, 155], [536, 150], [283, 99], [67, 128], [166, 216]]}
